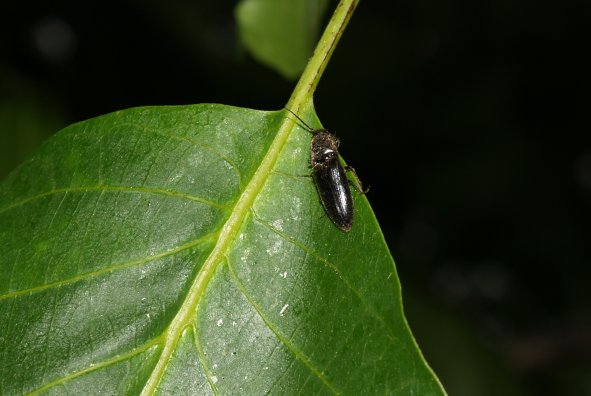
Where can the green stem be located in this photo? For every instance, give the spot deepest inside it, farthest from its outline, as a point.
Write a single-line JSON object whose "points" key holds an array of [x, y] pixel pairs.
{"points": [[304, 90]]}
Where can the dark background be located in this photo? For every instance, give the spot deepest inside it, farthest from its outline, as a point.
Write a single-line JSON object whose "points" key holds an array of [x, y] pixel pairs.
{"points": [[469, 119]]}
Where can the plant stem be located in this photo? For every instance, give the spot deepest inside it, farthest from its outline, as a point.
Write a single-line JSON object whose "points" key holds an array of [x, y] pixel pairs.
{"points": [[304, 90]]}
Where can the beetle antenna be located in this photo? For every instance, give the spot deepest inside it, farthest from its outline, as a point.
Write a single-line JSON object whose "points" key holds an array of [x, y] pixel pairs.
{"points": [[310, 129]]}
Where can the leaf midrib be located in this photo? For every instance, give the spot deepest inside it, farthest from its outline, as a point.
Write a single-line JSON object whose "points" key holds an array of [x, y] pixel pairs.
{"points": [[229, 231], [301, 97]]}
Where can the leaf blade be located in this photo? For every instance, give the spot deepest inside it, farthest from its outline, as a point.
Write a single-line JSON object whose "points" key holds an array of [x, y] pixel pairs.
{"points": [[66, 243], [283, 302]]}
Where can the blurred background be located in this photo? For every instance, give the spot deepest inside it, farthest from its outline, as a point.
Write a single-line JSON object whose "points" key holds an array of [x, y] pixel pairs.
{"points": [[469, 120]]}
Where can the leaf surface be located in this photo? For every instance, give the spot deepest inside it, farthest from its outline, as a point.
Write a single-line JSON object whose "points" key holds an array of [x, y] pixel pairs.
{"points": [[183, 250]]}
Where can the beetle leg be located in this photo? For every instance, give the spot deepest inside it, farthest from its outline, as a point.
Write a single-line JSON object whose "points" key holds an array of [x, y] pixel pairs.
{"points": [[356, 183]]}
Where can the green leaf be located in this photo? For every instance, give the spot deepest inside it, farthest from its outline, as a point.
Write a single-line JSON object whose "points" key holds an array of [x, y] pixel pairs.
{"points": [[280, 33], [183, 250]]}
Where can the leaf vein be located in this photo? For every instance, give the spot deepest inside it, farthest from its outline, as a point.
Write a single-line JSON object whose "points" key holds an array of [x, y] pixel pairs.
{"points": [[113, 268], [96, 366], [201, 358], [334, 268], [194, 143], [227, 234], [104, 188], [299, 355]]}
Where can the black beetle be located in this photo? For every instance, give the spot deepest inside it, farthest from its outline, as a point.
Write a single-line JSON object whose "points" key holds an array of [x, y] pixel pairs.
{"points": [[330, 176]]}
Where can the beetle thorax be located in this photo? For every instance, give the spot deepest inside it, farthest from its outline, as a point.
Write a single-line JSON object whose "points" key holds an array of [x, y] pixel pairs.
{"points": [[324, 148]]}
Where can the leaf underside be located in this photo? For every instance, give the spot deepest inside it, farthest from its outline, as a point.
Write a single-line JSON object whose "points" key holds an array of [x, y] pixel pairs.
{"points": [[139, 254]]}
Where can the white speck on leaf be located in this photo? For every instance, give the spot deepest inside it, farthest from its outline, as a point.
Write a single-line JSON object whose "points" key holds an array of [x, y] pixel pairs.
{"points": [[295, 209], [278, 224], [195, 160], [176, 177], [244, 257], [282, 312], [276, 248], [214, 379], [283, 275], [220, 322]]}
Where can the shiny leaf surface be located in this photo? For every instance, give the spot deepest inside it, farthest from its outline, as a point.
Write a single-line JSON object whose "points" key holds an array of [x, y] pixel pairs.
{"points": [[184, 250]]}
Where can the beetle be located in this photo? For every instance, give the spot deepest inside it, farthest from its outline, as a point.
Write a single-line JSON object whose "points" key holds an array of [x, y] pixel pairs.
{"points": [[330, 176]]}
